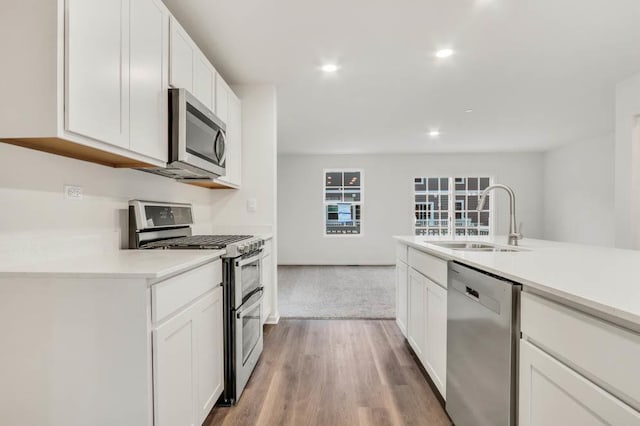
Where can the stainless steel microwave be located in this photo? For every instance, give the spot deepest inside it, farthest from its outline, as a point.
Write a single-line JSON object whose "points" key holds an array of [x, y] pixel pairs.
{"points": [[197, 139], [196, 135]]}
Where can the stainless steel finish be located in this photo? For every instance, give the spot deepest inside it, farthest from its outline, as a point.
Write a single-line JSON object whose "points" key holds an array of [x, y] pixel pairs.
{"points": [[245, 363], [474, 246], [141, 217], [238, 266], [483, 332], [244, 247], [514, 234], [183, 165]]}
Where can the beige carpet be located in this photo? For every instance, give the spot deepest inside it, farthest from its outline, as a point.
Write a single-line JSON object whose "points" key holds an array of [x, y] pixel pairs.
{"points": [[336, 291]]}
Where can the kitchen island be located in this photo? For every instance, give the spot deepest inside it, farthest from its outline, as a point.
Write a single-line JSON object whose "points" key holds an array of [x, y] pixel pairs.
{"points": [[580, 319]]}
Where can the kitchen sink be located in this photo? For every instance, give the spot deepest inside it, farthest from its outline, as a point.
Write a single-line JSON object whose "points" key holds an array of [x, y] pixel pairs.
{"points": [[473, 246]]}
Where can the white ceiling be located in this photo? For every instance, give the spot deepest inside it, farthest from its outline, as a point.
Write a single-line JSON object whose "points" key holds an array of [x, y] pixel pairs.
{"points": [[537, 73]]}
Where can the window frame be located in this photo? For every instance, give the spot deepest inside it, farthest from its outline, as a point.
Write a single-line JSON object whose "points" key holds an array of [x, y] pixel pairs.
{"points": [[451, 193], [326, 203]]}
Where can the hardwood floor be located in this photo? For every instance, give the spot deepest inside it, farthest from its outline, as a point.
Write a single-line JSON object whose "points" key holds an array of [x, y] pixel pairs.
{"points": [[334, 372]]}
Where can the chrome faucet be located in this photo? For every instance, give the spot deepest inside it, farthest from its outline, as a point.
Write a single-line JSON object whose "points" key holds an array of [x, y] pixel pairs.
{"points": [[514, 233]]}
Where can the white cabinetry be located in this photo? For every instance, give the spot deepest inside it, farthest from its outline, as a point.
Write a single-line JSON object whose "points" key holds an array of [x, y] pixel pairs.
{"points": [[575, 368], [232, 114], [426, 302], [174, 370], [149, 58], [188, 346], [402, 277], [97, 77], [416, 326], [97, 73], [222, 99], [209, 353], [189, 68], [120, 349], [553, 394], [267, 271], [182, 54]]}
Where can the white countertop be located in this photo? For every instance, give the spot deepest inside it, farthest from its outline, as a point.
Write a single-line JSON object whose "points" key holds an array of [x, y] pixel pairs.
{"points": [[146, 264], [603, 280]]}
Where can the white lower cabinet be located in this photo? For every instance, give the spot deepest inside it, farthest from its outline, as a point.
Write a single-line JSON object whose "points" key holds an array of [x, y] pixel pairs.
{"points": [[402, 271], [188, 363], [416, 324], [553, 394], [209, 353], [267, 282], [436, 335], [427, 326], [174, 370]]}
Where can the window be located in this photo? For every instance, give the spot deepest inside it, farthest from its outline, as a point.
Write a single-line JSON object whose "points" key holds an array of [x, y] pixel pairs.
{"points": [[342, 202], [448, 206]]}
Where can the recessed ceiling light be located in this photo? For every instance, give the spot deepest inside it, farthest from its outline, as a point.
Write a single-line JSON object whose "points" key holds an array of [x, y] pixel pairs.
{"points": [[444, 53], [434, 133], [329, 68], [468, 110]]}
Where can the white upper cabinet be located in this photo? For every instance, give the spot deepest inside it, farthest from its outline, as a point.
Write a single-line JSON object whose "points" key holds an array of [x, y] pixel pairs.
{"points": [[189, 68], [97, 70], [222, 99], [182, 53], [232, 115], [204, 76], [149, 78]]}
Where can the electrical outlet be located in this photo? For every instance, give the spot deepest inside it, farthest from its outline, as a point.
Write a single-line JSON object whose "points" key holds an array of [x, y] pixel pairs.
{"points": [[73, 192]]}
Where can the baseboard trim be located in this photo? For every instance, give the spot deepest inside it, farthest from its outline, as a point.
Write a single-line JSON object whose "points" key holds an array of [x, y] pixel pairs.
{"points": [[273, 319]]}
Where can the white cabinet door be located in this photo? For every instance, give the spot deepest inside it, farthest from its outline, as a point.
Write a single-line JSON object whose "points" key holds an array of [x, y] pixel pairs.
{"points": [[204, 76], [417, 312], [182, 55], [233, 162], [222, 99], [149, 79], [436, 335], [401, 295], [553, 394], [97, 70], [209, 352], [174, 370]]}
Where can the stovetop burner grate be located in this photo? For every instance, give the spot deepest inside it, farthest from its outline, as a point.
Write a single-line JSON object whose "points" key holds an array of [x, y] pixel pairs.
{"points": [[197, 241]]}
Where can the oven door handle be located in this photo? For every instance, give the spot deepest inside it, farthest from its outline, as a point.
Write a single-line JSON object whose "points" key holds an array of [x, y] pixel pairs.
{"points": [[248, 305], [251, 259]]}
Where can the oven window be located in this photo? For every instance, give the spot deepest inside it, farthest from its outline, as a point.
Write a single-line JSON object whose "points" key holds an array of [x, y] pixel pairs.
{"points": [[250, 332], [201, 135], [250, 276]]}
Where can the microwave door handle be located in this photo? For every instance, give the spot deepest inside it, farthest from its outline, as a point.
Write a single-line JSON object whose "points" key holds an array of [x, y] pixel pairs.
{"points": [[222, 158]]}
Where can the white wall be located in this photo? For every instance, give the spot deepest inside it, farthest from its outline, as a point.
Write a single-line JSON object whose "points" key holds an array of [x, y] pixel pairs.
{"points": [[627, 164], [578, 192], [388, 208], [34, 215]]}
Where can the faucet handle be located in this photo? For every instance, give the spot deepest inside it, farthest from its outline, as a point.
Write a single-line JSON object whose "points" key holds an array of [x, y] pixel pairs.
{"points": [[520, 235]]}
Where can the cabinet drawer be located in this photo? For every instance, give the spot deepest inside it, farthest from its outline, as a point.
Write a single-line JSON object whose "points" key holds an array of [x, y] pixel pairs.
{"points": [[553, 394], [430, 266], [401, 252], [603, 352], [170, 295]]}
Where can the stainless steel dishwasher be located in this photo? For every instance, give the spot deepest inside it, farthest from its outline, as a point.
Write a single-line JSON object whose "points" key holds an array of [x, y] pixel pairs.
{"points": [[483, 333]]}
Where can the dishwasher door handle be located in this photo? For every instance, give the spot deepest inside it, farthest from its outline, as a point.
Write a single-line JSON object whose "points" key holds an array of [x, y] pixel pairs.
{"points": [[473, 293]]}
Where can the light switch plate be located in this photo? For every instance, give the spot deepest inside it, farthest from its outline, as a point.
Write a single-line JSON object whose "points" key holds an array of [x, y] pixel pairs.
{"points": [[252, 205], [73, 192]]}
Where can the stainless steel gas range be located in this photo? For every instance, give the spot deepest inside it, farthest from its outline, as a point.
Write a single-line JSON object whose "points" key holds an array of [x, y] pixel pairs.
{"points": [[156, 225]]}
